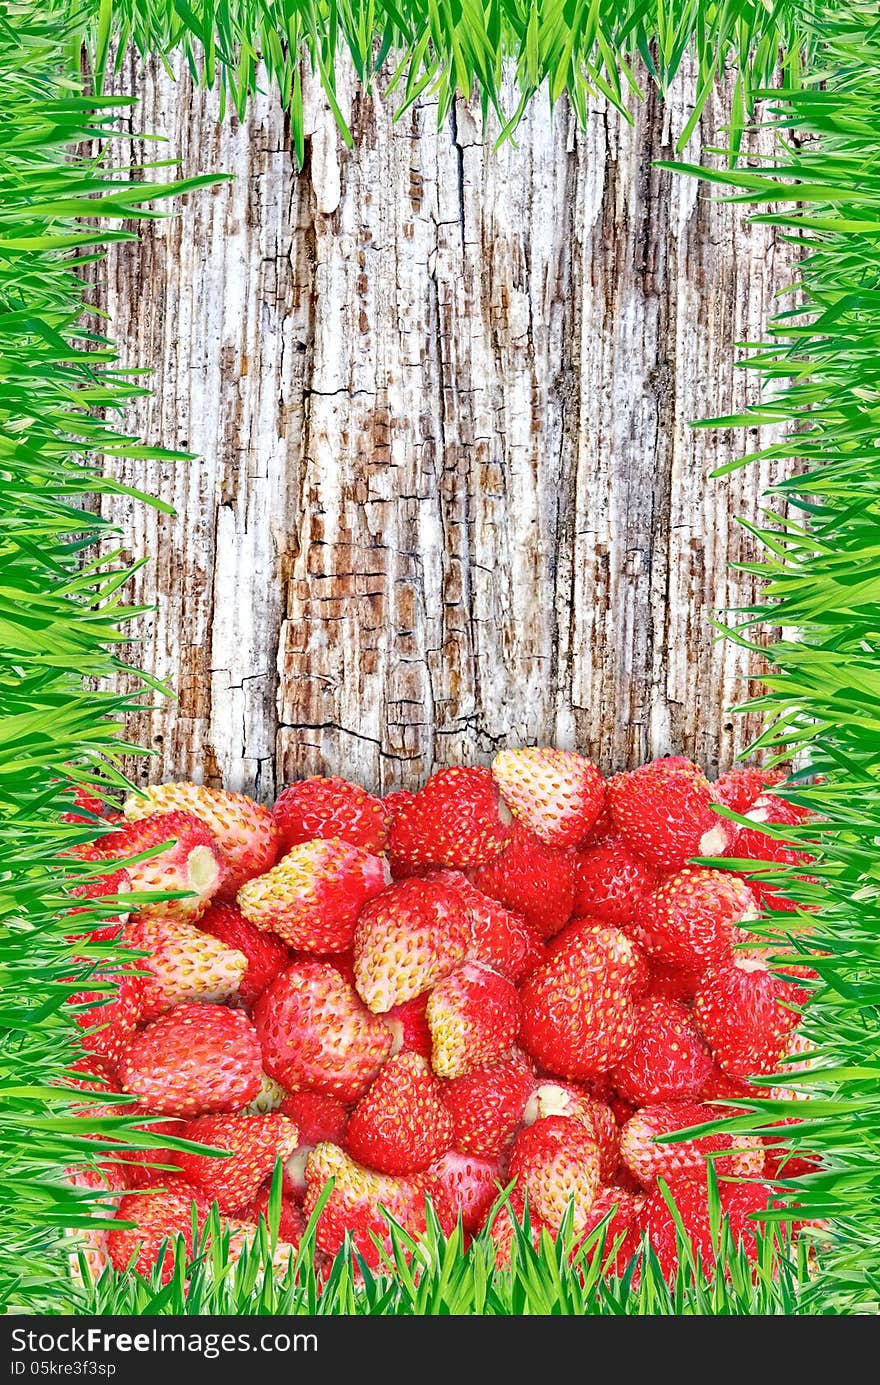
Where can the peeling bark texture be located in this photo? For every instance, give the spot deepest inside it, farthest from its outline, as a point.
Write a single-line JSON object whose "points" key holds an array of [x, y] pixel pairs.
{"points": [[447, 495]]}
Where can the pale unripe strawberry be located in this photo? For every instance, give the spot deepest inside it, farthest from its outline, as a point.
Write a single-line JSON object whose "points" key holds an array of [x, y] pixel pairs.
{"points": [[473, 1016], [192, 864], [316, 1032], [556, 794], [183, 965], [407, 940], [244, 830], [556, 1161], [313, 897]]}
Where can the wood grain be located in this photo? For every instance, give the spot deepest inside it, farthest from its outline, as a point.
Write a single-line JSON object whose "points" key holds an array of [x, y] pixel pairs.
{"points": [[447, 494]]}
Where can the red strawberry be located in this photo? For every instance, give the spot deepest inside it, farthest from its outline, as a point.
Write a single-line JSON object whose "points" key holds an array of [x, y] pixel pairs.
{"points": [[507, 1223], [611, 881], [353, 1205], [89, 806], [693, 919], [622, 1230], [532, 879], [243, 830], [556, 794], [183, 965], [742, 1010], [648, 1161], [195, 1060], [473, 1016], [401, 1124], [266, 954], [313, 896], [406, 940], [457, 819], [97, 889], [154, 1167], [567, 1099], [110, 1020], [409, 1026], [578, 1017], [738, 788], [394, 804], [752, 844], [556, 1161], [316, 1032], [255, 1142], [665, 814], [487, 1106], [158, 1217], [627, 955], [192, 864], [291, 1222], [498, 938], [327, 808], [667, 1060], [738, 1204], [472, 1184], [318, 1118]]}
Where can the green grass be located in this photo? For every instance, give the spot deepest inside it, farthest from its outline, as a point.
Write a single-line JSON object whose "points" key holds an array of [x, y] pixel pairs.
{"points": [[62, 615]]}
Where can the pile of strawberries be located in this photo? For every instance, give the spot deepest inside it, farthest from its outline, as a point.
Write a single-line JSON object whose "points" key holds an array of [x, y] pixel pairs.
{"points": [[511, 977]]}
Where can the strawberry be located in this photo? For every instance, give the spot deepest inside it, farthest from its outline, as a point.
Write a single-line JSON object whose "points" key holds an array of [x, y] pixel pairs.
{"points": [[409, 1026], [457, 819], [192, 864], [742, 1009], [583, 933], [318, 1118], [752, 844], [89, 806], [621, 1231], [291, 1222], [556, 794], [567, 1099], [578, 1017], [183, 965], [110, 1021], [664, 812], [694, 918], [195, 1060], [317, 807], [647, 1161], [313, 896], [472, 1184], [400, 1125], [353, 1206], [510, 1222], [154, 1167], [556, 1161], [533, 880], [473, 1016], [316, 1032], [667, 1059], [266, 954], [739, 788], [738, 1204], [99, 890], [611, 881], [270, 1097], [242, 829], [243, 1236], [499, 938], [406, 940], [487, 1106], [159, 1217], [254, 1142]]}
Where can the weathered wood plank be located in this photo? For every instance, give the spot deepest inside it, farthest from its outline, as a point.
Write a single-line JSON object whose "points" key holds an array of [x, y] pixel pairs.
{"points": [[447, 494]]}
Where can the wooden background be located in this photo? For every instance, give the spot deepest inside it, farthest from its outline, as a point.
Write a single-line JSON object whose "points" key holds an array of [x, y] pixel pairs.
{"points": [[447, 496]]}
